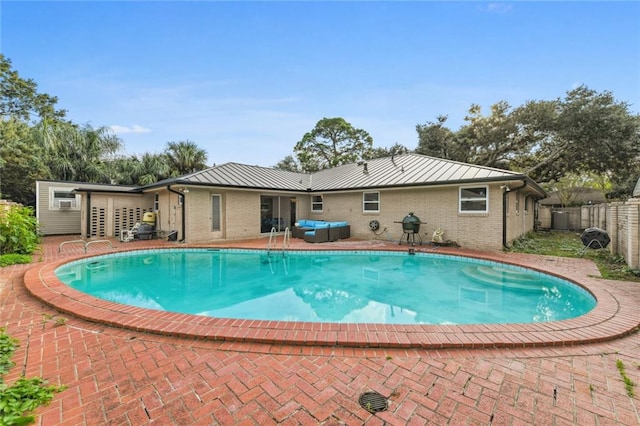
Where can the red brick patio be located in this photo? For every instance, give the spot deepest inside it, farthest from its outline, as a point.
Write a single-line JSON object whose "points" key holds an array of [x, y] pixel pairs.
{"points": [[119, 372]]}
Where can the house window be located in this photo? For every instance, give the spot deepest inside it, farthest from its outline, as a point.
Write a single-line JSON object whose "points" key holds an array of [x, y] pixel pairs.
{"points": [[63, 199], [526, 204], [316, 203], [517, 203], [156, 202], [371, 202], [180, 199], [216, 213], [474, 199]]}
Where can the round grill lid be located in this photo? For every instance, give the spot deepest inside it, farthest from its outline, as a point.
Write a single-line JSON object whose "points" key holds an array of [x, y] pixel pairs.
{"points": [[411, 218], [595, 238]]}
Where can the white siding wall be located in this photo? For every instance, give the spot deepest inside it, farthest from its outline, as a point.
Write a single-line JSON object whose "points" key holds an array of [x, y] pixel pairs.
{"points": [[54, 220]]}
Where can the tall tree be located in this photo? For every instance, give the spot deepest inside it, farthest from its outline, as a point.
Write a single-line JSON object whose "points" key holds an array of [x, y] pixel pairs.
{"points": [[396, 149], [586, 132], [493, 140], [437, 140], [185, 157], [21, 162], [288, 164], [78, 153], [332, 142], [144, 170], [20, 99]]}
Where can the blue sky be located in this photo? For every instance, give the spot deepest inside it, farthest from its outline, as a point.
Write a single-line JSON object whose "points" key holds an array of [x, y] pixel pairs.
{"points": [[246, 80]]}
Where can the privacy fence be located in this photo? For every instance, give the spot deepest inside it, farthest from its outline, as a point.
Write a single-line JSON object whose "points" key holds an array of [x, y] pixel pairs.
{"points": [[621, 220]]}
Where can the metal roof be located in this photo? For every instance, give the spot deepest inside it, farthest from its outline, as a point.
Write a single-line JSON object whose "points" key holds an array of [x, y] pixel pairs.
{"points": [[405, 170], [95, 187], [397, 171], [245, 176]]}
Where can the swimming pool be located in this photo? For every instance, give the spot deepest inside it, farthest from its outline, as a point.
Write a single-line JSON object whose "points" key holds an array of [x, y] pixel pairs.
{"points": [[328, 287]]}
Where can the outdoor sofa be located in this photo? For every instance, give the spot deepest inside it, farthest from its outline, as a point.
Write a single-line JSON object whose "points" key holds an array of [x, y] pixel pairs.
{"points": [[319, 231]]}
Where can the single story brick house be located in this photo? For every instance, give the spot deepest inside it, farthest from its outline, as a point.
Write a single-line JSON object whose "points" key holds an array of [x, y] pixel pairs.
{"points": [[477, 207]]}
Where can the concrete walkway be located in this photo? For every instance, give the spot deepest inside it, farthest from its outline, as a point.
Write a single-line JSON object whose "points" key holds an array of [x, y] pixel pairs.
{"points": [[118, 375]]}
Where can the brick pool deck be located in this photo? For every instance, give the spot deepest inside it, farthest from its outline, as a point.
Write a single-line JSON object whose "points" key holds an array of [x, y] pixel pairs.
{"points": [[126, 365]]}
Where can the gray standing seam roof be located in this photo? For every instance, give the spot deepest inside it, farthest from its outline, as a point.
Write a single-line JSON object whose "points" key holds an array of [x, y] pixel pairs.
{"points": [[398, 171]]}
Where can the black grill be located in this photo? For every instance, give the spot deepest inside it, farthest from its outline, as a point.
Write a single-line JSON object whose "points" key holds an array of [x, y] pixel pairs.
{"points": [[411, 223], [595, 238]]}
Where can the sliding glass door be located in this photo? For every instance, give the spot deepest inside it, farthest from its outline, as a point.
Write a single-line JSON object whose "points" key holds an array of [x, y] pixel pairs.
{"points": [[276, 212]]}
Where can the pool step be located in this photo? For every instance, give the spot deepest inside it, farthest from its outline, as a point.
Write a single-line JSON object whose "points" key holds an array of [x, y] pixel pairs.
{"points": [[503, 277], [507, 274]]}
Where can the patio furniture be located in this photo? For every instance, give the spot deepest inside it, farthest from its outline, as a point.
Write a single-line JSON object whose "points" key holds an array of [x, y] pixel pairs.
{"points": [[338, 230], [318, 235], [298, 231]]}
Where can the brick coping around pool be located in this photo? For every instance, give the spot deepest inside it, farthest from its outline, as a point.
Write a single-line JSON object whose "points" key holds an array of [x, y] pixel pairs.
{"points": [[615, 315]]}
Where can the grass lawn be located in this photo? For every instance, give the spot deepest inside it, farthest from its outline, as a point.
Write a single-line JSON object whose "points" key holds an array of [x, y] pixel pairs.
{"points": [[568, 244]]}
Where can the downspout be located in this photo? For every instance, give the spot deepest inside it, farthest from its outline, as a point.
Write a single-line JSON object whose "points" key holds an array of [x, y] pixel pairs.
{"points": [[88, 213], [184, 203], [505, 200]]}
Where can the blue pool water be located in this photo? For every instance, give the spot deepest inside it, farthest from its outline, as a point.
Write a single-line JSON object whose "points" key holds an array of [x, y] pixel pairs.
{"points": [[338, 287]]}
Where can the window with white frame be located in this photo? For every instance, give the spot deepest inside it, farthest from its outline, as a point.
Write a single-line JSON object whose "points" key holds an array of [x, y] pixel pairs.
{"points": [[216, 212], [316, 203], [156, 202], [370, 202], [474, 199], [63, 199]]}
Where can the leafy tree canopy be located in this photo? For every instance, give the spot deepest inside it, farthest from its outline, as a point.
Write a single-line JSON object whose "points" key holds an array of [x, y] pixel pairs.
{"points": [[396, 149], [20, 99], [37, 143], [584, 132], [75, 153], [331, 143], [21, 162], [185, 157], [288, 164]]}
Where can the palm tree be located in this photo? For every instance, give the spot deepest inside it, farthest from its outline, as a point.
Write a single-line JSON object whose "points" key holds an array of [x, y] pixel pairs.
{"points": [[185, 157], [78, 153], [152, 168], [148, 169]]}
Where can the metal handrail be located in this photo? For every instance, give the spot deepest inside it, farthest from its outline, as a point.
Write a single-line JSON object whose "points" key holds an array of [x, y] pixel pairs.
{"points": [[286, 241], [88, 243], [69, 242], [84, 243], [271, 237]]}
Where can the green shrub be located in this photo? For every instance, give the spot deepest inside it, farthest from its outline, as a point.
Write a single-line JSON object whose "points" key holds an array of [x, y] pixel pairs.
{"points": [[14, 259], [18, 230]]}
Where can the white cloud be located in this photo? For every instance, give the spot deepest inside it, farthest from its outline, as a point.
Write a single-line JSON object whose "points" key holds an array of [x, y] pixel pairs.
{"points": [[497, 7], [133, 129]]}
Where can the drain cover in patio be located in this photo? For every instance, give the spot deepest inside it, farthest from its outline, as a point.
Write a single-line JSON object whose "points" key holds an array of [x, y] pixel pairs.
{"points": [[373, 402]]}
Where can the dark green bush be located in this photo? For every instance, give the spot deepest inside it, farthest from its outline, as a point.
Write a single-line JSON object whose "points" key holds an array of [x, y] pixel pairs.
{"points": [[18, 230]]}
